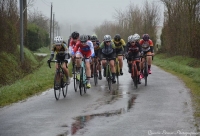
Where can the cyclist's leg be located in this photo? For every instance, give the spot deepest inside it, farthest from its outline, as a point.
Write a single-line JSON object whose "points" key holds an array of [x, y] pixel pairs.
{"points": [[120, 59], [129, 61], [78, 63], [112, 66], [149, 61], [99, 68], [65, 68], [104, 64], [88, 68], [92, 67], [138, 68]]}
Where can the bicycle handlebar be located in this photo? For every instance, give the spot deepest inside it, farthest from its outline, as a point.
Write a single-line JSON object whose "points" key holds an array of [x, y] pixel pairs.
{"points": [[50, 62]]}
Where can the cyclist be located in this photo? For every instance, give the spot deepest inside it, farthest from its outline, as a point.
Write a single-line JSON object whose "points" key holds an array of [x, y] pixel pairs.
{"points": [[147, 47], [61, 55], [84, 47], [133, 50], [107, 50], [96, 50], [119, 44]]}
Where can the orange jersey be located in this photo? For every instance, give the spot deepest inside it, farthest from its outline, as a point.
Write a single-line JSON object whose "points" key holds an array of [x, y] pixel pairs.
{"points": [[147, 42]]}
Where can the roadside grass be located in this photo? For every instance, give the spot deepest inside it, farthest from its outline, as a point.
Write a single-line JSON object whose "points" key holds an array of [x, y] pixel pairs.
{"points": [[39, 80], [188, 70]]}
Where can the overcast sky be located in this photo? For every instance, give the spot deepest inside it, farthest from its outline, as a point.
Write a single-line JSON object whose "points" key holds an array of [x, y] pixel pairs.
{"points": [[84, 15]]}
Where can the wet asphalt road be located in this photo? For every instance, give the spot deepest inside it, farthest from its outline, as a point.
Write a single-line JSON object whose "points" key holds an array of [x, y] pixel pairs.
{"points": [[161, 108]]}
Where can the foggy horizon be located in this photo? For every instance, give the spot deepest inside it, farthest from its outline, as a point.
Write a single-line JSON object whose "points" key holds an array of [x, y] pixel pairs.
{"points": [[83, 16]]}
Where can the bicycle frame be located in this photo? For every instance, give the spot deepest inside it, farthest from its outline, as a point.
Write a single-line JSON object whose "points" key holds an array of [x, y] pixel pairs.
{"points": [[83, 78], [135, 72]]}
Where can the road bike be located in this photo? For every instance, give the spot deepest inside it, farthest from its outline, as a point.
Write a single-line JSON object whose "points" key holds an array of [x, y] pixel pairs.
{"points": [[145, 67], [108, 74], [83, 78], [60, 80]]}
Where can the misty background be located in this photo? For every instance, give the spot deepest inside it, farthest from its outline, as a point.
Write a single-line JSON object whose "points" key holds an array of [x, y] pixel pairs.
{"points": [[84, 15]]}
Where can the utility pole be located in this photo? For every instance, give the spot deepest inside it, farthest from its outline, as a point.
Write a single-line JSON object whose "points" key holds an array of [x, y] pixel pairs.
{"points": [[53, 24], [21, 32], [50, 25], [25, 21]]}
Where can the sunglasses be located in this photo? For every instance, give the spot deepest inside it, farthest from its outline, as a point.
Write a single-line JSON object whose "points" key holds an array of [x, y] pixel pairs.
{"points": [[108, 41], [93, 41], [132, 42], [57, 44], [83, 42]]}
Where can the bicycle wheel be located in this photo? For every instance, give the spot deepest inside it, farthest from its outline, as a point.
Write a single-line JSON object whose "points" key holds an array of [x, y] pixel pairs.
{"points": [[74, 77], [57, 85], [65, 86], [134, 75], [95, 74], [81, 84], [109, 77], [145, 72]]}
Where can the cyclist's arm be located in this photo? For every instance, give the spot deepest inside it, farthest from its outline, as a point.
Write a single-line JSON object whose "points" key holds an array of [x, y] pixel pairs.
{"points": [[123, 42], [113, 45], [76, 47], [91, 48], [151, 46]]}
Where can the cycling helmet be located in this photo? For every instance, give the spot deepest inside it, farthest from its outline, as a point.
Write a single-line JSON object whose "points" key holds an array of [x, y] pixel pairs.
{"points": [[89, 37], [117, 37], [58, 40], [129, 38], [137, 36], [75, 35], [132, 38], [93, 38], [83, 38], [145, 37], [107, 38]]}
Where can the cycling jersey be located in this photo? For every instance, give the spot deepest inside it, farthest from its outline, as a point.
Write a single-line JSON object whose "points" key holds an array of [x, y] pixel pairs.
{"points": [[85, 50], [72, 44], [62, 51], [147, 46], [107, 49], [119, 44]]}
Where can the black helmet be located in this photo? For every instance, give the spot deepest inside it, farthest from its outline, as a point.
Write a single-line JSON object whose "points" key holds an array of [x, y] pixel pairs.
{"points": [[83, 38], [117, 37], [89, 37], [75, 35], [145, 37]]}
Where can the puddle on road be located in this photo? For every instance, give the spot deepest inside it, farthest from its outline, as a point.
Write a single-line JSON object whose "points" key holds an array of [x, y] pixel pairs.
{"points": [[80, 121]]}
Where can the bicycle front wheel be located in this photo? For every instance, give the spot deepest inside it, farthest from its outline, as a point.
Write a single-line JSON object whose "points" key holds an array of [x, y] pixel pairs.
{"points": [[81, 84], [65, 86], [57, 85], [134, 76], [145, 72], [74, 77]]}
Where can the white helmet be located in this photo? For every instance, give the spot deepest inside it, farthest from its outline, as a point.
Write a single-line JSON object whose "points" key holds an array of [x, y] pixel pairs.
{"points": [[132, 38], [58, 40], [129, 38], [136, 36], [107, 38]]}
